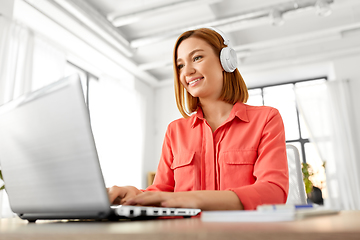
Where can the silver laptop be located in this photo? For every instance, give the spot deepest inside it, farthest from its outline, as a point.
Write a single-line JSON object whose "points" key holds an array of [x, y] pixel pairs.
{"points": [[49, 160]]}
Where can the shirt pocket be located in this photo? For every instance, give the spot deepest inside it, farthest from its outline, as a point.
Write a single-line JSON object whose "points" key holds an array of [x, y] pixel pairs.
{"points": [[184, 171], [237, 168]]}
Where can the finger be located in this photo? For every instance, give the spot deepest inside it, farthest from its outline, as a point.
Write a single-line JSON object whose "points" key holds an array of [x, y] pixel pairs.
{"points": [[116, 192], [148, 199], [124, 201]]}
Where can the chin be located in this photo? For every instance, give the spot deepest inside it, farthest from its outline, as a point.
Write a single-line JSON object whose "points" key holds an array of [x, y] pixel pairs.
{"points": [[195, 95]]}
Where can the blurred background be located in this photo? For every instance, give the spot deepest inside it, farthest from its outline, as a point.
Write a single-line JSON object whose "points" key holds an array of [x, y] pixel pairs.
{"points": [[300, 56]]}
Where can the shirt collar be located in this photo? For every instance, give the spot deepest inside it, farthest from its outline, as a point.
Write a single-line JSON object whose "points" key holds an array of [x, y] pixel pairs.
{"points": [[238, 110], [197, 117]]}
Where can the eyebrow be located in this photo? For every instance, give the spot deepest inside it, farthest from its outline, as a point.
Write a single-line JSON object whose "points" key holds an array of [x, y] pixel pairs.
{"points": [[191, 53]]}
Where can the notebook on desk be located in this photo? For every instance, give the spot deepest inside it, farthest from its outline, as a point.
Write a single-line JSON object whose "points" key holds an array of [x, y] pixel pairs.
{"points": [[268, 213], [50, 163]]}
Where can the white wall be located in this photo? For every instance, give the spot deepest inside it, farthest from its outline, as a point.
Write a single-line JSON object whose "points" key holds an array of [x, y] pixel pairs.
{"points": [[6, 8], [147, 125], [165, 111], [290, 72]]}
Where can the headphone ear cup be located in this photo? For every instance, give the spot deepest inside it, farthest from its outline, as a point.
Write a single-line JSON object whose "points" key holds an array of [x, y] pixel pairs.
{"points": [[228, 59]]}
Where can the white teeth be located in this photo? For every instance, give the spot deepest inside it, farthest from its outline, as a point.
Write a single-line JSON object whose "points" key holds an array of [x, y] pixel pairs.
{"points": [[194, 81]]}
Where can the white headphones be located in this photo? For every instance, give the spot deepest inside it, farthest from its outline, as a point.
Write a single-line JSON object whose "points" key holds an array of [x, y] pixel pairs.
{"points": [[228, 56]]}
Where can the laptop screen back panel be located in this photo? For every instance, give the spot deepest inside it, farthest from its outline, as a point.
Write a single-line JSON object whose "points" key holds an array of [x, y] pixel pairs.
{"points": [[48, 155]]}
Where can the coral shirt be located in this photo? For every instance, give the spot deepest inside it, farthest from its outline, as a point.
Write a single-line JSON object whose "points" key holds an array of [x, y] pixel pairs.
{"points": [[246, 155]]}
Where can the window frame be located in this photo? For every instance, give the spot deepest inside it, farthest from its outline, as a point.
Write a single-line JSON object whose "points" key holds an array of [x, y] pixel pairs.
{"points": [[300, 140]]}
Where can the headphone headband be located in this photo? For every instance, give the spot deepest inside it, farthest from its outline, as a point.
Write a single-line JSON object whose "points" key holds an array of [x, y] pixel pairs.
{"points": [[228, 56], [226, 40]]}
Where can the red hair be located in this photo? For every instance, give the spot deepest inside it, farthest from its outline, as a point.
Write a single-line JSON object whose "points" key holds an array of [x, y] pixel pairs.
{"points": [[234, 88]]}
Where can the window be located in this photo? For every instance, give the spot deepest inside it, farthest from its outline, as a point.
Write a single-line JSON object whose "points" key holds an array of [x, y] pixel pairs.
{"points": [[282, 97]]}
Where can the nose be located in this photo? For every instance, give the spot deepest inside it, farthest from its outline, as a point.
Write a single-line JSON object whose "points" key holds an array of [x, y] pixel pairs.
{"points": [[188, 69]]}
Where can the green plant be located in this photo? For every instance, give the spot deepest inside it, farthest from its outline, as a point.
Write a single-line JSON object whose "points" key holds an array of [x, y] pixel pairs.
{"points": [[1, 177], [307, 173]]}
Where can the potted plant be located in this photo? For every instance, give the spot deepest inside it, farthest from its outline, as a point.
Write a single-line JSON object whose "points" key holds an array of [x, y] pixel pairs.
{"points": [[314, 194], [1, 194], [307, 173], [1, 177]]}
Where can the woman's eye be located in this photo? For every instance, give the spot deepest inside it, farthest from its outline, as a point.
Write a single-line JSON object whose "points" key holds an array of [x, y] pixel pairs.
{"points": [[180, 66], [197, 58]]}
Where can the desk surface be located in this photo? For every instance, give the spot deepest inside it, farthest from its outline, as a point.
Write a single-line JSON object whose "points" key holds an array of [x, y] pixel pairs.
{"points": [[345, 225]]}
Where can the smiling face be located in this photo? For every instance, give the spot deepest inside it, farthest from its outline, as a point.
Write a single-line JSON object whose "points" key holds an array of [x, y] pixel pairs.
{"points": [[199, 69]]}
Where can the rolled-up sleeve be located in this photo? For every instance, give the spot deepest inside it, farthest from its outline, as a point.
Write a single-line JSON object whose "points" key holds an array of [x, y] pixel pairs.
{"points": [[164, 178]]}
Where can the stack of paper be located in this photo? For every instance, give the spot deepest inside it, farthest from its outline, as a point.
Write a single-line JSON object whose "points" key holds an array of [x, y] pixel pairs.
{"points": [[268, 213]]}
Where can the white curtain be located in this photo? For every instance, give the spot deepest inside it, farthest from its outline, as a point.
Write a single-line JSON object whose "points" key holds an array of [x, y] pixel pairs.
{"points": [[16, 53], [27, 62], [328, 111]]}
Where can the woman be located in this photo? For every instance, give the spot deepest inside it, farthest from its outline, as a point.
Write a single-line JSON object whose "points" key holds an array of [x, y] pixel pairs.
{"points": [[223, 155]]}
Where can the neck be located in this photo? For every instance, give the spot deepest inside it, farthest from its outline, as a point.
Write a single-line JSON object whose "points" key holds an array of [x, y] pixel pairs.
{"points": [[216, 112]]}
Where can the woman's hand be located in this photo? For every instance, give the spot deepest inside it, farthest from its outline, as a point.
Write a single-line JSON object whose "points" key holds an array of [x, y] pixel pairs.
{"points": [[119, 195], [204, 200]]}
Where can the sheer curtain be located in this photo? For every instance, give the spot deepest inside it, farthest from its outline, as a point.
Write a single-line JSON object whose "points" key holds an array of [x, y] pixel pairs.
{"points": [[27, 62], [328, 111], [16, 53]]}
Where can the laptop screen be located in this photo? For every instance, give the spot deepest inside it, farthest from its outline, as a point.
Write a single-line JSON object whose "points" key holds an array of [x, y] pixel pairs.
{"points": [[47, 152]]}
